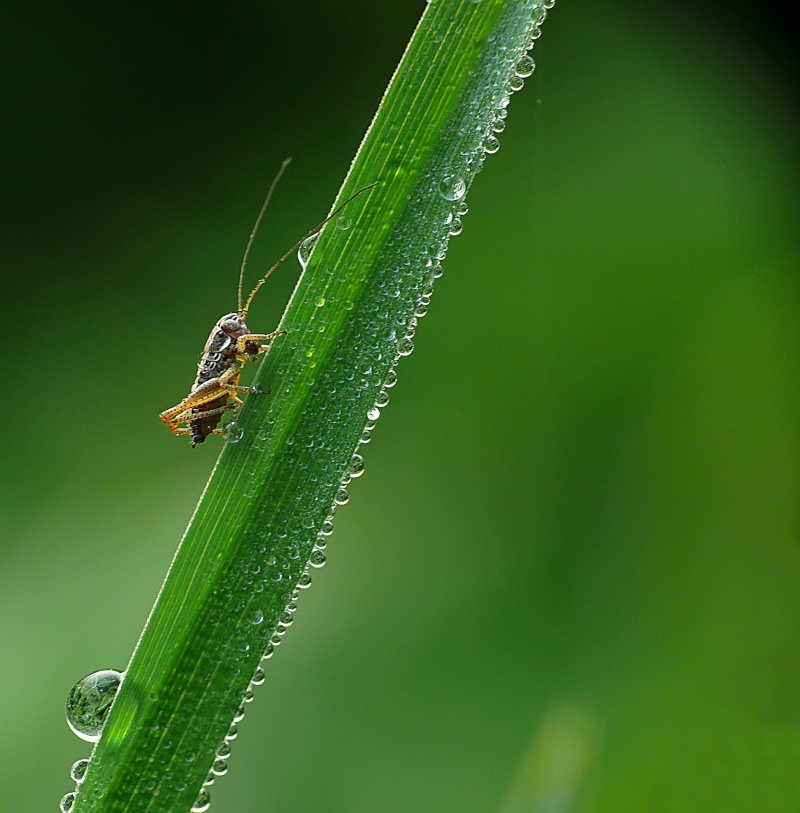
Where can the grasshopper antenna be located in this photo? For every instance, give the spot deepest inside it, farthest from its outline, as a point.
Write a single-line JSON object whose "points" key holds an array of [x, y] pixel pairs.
{"points": [[297, 245], [271, 189]]}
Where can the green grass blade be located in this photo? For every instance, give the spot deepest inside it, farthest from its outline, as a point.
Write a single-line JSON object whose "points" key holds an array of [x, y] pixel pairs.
{"points": [[269, 500]]}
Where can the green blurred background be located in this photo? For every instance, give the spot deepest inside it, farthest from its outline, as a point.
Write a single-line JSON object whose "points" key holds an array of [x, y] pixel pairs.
{"points": [[569, 577]]}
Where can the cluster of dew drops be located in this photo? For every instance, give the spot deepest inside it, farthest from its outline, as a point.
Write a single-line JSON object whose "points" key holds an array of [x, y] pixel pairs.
{"points": [[90, 699]]}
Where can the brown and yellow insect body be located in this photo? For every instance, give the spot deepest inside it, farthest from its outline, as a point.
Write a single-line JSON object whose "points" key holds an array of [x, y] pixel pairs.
{"points": [[230, 344]]}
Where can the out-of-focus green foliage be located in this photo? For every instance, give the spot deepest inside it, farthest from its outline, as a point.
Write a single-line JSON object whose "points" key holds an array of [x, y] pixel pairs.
{"points": [[581, 580]]}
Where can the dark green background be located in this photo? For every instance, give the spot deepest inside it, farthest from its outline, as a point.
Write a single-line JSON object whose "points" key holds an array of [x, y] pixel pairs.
{"points": [[577, 535]]}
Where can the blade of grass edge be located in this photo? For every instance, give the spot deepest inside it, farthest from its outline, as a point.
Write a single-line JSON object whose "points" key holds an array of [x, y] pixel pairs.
{"points": [[267, 508]]}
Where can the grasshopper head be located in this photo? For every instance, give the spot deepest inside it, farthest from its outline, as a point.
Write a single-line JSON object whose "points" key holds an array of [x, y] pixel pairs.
{"points": [[234, 325]]}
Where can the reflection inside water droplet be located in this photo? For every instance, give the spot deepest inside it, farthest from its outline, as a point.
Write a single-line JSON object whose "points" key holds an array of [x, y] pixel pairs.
{"points": [[524, 66], [67, 802], [89, 702], [78, 770], [202, 802], [452, 187]]}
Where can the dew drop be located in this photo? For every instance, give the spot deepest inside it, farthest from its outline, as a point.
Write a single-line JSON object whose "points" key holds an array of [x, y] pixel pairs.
{"points": [[391, 379], [306, 250], [304, 581], [233, 433], [456, 227], [524, 67], [343, 223], [373, 414], [366, 436], [317, 558], [356, 466], [78, 770], [319, 301], [516, 83], [259, 677], [89, 702], [452, 187], [327, 528], [219, 768], [67, 802], [499, 125], [405, 347], [202, 802], [257, 617], [491, 145], [233, 733], [224, 751], [462, 208], [341, 497]]}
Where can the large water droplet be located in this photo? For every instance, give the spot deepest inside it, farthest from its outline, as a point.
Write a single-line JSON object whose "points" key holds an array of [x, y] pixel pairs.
{"points": [[219, 768], [317, 558], [405, 347], [452, 187], [356, 466], [306, 250], [202, 802], [343, 222], [259, 677], [67, 802], [78, 770], [491, 145], [89, 702], [304, 581], [524, 67], [224, 750]]}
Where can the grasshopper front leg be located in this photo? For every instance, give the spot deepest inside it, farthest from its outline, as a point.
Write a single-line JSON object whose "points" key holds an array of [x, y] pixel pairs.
{"points": [[256, 338]]}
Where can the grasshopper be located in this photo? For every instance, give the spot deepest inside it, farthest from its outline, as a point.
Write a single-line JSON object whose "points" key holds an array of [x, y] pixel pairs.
{"points": [[229, 346]]}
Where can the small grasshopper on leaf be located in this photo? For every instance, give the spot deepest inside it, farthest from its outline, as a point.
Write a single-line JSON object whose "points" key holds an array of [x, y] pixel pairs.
{"points": [[228, 347]]}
